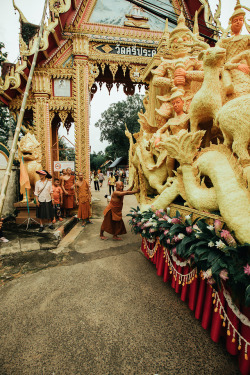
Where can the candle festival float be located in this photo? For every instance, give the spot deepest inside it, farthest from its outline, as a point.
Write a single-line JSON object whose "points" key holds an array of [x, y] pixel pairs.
{"points": [[191, 160]]}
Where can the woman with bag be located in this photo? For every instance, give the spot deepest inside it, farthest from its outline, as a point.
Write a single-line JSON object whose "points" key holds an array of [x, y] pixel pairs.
{"points": [[44, 199]]}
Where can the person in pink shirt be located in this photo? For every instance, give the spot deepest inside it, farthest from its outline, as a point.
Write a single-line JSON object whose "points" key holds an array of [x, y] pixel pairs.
{"points": [[58, 200]]}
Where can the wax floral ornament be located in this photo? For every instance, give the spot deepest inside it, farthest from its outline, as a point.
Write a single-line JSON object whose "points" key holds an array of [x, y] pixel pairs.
{"points": [[211, 248]]}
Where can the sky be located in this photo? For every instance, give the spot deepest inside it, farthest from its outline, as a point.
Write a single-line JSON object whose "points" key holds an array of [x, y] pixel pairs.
{"points": [[32, 9]]}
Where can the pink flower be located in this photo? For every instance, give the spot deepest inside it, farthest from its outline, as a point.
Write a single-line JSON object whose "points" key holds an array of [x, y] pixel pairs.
{"points": [[166, 232], [151, 230], [189, 230], [217, 226], [211, 281], [168, 241], [174, 251], [228, 238], [224, 274], [159, 212], [148, 224], [247, 270], [176, 239], [166, 217], [176, 220]]}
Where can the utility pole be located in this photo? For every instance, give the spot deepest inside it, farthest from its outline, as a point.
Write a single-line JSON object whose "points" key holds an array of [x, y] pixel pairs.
{"points": [[21, 114]]}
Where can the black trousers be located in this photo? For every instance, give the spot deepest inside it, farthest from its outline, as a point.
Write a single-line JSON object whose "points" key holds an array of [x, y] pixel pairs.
{"points": [[96, 183], [111, 187]]}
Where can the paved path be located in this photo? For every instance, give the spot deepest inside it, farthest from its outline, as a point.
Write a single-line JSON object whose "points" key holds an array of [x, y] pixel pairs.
{"points": [[106, 312]]}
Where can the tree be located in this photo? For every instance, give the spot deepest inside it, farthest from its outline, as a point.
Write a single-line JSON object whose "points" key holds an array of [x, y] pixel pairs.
{"points": [[6, 123], [96, 160], [66, 152], [112, 125]]}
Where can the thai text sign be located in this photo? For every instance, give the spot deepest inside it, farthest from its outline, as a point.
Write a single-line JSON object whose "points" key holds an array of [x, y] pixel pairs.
{"points": [[126, 50], [60, 165]]}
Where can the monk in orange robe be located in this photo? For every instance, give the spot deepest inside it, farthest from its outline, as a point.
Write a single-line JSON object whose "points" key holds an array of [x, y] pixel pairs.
{"points": [[113, 222], [68, 187], [83, 198]]}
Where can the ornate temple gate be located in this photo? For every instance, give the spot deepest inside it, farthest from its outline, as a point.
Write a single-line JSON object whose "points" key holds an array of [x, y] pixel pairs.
{"points": [[78, 49]]}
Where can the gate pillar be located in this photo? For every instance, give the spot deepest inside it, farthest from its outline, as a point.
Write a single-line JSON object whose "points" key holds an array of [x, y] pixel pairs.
{"points": [[41, 89], [81, 104]]}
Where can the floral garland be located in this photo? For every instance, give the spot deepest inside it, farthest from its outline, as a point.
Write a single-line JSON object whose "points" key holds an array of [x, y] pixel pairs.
{"points": [[212, 249]]}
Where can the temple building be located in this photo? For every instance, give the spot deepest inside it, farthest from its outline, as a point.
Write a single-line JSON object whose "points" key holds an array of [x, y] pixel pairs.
{"points": [[85, 43]]}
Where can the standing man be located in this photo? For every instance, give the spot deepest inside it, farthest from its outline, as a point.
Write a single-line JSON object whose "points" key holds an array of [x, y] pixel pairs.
{"points": [[123, 177], [111, 183], [83, 199], [101, 178], [116, 175], [113, 222]]}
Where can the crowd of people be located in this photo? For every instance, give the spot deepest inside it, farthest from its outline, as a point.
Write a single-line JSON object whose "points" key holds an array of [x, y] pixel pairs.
{"points": [[98, 178], [55, 201]]}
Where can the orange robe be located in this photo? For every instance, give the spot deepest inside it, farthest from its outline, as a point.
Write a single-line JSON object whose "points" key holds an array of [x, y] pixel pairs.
{"points": [[84, 211], [68, 200], [113, 222]]}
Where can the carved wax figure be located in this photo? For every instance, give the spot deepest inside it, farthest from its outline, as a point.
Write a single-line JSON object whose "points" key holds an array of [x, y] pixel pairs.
{"points": [[235, 76], [68, 182], [173, 126], [83, 199], [44, 199], [113, 222], [183, 68]]}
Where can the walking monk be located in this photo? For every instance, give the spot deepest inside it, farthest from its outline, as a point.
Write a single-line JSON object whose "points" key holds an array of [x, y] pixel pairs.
{"points": [[113, 222], [83, 198]]}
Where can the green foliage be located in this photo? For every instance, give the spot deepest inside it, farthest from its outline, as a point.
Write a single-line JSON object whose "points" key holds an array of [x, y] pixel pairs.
{"points": [[66, 152], [112, 125], [96, 160], [210, 248], [6, 123], [3, 55]]}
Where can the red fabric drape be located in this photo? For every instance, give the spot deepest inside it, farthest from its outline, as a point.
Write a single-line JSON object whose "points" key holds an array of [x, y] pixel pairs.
{"points": [[200, 300]]}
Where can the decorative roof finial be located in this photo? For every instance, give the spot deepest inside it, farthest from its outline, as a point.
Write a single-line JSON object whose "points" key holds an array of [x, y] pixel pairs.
{"points": [[196, 25]]}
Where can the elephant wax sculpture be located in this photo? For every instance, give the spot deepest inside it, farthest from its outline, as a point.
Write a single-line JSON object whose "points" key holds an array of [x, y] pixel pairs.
{"points": [[209, 177], [235, 76]]}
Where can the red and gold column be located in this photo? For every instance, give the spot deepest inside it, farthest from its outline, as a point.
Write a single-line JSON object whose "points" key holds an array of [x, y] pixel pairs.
{"points": [[81, 104], [41, 89]]}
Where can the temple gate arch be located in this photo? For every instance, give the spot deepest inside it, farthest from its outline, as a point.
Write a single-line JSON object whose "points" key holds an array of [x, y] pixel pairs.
{"points": [[81, 46]]}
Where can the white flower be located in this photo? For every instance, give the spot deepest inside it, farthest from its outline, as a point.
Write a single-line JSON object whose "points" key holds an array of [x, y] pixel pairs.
{"points": [[189, 220], [210, 227], [197, 236], [170, 221], [143, 231], [181, 236], [139, 212], [153, 215], [207, 274], [210, 244], [150, 219], [220, 244]]}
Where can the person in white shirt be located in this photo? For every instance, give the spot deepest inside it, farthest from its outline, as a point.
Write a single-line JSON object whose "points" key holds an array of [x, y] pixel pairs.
{"points": [[44, 199]]}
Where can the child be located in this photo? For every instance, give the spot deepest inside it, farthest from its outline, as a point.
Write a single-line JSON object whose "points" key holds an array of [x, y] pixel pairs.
{"points": [[58, 200], [113, 222]]}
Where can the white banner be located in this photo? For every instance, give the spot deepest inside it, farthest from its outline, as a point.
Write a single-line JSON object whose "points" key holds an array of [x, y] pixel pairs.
{"points": [[60, 165]]}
